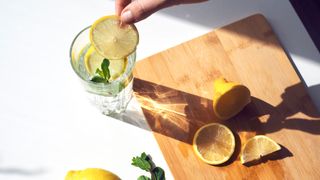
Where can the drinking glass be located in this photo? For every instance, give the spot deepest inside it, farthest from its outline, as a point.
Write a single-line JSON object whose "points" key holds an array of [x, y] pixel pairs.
{"points": [[109, 98]]}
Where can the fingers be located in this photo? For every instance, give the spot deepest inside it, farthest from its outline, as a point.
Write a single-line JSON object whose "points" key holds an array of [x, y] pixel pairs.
{"points": [[132, 11], [140, 9], [120, 5]]}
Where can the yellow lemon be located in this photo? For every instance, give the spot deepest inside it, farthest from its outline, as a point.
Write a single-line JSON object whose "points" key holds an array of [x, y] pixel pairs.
{"points": [[91, 174], [229, 98], [257, 147], [93, 60], [214, 143], [112, 39]]}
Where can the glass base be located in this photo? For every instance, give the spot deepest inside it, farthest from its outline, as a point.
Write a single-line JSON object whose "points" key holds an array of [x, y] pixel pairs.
{"points": [[115, 104]]}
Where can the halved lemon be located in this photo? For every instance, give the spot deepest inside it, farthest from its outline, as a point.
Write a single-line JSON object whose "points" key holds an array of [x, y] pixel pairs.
{"points": [[93, 60], [229, 98], [112, 40], [214, 143], [257, 147]]}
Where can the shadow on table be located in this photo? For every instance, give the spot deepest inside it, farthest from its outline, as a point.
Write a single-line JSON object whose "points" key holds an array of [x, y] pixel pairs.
{"points": [[178, 114], [21, 171], [133, 117], [208, 14], [315, 93]]}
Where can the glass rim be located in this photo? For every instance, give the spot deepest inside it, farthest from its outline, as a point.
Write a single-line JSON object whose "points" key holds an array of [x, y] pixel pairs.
{"points": [[119, 79]]}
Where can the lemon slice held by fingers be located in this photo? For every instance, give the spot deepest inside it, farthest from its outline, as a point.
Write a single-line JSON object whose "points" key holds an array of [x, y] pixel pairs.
{"points": [[112, 39]]}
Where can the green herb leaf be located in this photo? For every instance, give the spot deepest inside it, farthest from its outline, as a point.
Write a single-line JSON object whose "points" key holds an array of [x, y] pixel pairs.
{"points": [[99, 72], [142, 162], [145, 163], [142, 177], [98, 79], [144, 156], [158, 173], [105, 68], [102, 75]]}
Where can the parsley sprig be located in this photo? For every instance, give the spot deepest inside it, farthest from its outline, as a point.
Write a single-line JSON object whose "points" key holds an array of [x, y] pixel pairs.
{"points": [[145, 162]]}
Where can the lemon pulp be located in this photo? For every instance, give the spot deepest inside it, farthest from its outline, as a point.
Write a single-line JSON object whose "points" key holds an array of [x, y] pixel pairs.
{"points": [[214, 143]]}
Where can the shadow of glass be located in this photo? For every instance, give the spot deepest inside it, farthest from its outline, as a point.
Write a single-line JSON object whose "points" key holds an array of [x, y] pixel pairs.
{"points": [[171, 112], [133, 117]]}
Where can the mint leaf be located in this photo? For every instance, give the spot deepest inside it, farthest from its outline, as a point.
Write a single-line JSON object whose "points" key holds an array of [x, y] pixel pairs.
{"points": [[144, 156], [142, 177], [98, 79], [145, 162], [100, 73], [141, 162], [158, 173], [105, 68]]}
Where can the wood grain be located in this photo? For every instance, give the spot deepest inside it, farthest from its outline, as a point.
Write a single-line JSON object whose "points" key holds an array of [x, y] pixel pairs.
{"points": [[175, 90]]}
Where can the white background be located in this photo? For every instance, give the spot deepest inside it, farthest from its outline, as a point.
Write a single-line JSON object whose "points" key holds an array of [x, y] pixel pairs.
{"points": [[47, 126]]}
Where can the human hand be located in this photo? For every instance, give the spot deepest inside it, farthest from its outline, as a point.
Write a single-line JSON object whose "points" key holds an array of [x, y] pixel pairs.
{"points": [[132, 11]]}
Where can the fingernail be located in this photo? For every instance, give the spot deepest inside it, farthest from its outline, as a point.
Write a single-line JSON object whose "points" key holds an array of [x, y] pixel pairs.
{"points": [[127, 17]]}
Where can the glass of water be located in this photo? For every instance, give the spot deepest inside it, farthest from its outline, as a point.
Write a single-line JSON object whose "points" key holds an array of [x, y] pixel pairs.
{"points": [[112, 97]]}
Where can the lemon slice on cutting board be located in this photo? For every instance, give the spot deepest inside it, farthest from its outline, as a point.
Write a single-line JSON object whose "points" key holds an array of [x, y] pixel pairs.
{"points": [[93, 60], [214, 143], [257, 147], [112, 39]]}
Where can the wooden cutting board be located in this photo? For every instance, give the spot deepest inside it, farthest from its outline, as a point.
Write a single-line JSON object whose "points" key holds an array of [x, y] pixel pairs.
{"points": [[175, 90]]}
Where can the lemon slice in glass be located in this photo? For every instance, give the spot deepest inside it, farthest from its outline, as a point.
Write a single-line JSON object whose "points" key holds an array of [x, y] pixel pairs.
{"points": [[93, 60], [257, 147], [112, 40], [214, 143]]}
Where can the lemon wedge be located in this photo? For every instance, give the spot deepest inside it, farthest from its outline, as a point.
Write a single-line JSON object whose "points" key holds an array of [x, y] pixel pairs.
{"points": [[112, 39], [257, 147], [214, 143]]}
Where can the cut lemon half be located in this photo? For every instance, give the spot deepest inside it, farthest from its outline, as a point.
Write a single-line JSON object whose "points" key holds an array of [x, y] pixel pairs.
{"points": [[93, 60], [229, 98], [214, 143], [91, 174], [111, 40], [257, 147]]}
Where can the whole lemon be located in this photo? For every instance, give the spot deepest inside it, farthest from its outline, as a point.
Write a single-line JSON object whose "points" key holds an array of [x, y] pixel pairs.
{"points": [[91, 174]]}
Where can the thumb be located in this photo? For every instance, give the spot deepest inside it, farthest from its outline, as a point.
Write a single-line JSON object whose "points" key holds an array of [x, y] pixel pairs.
{"points": [[140, 9]]}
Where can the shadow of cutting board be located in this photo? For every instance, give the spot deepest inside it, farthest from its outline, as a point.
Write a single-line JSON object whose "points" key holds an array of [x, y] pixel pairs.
{"points": [[175, 91]]}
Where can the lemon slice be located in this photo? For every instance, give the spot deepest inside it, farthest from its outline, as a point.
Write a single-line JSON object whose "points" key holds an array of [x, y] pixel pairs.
{"points": [[257, 147], [229, 98], [93, 60], [111, 40], [91, 174], [214, 143]]}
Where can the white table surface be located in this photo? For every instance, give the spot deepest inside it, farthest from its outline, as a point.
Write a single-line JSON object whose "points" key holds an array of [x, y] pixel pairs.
{"points": [[48, 127]]}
